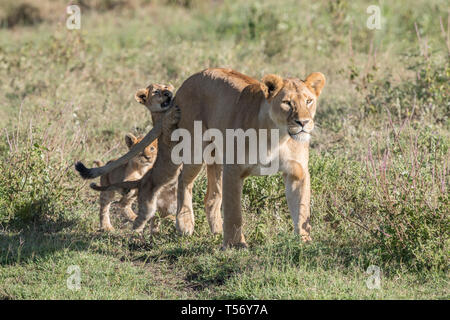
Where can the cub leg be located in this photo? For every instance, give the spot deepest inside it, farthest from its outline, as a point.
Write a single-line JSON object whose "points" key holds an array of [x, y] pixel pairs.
{"points": [[154, 225], [185, 213], [106, 197], [146, 202], [126, 203], [298, 195], [232, 211], [163, 173], [166, 205], [213, 199]]}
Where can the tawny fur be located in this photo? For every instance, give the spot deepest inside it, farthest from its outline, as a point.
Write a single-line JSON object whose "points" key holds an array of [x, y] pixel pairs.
{"points": [[221, 99], [131, 171], [124, 178]]}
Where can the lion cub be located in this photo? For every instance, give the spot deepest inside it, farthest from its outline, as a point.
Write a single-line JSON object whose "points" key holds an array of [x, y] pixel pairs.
{"points": [[130, 171], [157, 98]]}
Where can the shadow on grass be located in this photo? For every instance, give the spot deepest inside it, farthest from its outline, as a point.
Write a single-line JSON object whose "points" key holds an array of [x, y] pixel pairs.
{"points": [[26, 246], [197, 259]]}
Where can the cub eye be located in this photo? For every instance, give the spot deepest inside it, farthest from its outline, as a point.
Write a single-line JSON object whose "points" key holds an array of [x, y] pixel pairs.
{"points": [[156, 92], [152, 149], [309, 101]]}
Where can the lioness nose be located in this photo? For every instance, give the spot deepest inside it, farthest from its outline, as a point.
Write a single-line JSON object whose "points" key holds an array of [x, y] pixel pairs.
{"points": [[302, 122]]}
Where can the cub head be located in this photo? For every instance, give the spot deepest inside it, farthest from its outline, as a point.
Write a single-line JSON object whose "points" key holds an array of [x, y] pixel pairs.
{"points": [[293, 103], [147, 157], [156, 97]]}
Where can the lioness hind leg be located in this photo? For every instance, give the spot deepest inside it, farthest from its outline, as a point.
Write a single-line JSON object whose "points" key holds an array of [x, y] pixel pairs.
{"points": [[126, 203], [213, 199], [106, 197], [185, 212]]}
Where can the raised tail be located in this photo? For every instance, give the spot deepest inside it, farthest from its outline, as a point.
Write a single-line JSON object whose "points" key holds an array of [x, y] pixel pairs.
{"points": [[117, 186], [91, 173]]}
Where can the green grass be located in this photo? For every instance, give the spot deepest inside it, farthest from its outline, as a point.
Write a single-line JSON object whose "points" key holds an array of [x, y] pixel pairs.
{"points": [[379, 159]]}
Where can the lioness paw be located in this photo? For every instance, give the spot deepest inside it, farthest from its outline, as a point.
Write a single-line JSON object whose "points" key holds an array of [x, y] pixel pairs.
{"points": [[107, 228], [185, 224], [240, 245]]}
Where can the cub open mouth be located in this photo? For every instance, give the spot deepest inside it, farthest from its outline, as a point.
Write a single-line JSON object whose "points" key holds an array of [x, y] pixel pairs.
{"points": [[166, 103]]}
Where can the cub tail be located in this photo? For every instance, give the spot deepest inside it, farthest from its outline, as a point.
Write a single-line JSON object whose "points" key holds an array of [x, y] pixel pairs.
{"points": [[128, 185]]}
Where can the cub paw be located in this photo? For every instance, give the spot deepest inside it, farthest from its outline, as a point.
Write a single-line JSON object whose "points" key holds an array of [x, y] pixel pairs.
{"points": [[306, 238], [138, 225], [173, 116], [129, 214]]}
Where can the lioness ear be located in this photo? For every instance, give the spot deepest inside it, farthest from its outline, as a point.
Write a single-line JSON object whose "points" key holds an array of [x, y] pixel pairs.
{"points": [[273, 84], [315, 81], [130, 140]]}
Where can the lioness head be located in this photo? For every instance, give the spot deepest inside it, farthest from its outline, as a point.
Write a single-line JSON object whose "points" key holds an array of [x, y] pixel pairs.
{"points": [[156, 97], [293, 103], [146, 157]]}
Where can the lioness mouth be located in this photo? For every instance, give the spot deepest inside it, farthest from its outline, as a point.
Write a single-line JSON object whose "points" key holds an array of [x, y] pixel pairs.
{"points": [[300, 135]]}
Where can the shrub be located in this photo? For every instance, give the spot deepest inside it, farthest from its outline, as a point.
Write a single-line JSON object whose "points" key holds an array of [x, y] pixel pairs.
{"points": [[31, 185], [395, 200], [426, 96], [409, 182]]}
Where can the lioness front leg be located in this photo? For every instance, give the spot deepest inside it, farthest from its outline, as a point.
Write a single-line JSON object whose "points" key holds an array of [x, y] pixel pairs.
{"points": [[298, 195], [232, 211]]}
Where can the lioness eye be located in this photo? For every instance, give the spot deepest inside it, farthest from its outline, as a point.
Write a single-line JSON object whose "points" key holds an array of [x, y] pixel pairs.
{"points": [[309, 101], [287, 102]]}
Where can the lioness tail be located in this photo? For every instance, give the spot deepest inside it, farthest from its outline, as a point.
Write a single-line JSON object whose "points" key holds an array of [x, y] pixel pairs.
{"points": [[91, 173]]}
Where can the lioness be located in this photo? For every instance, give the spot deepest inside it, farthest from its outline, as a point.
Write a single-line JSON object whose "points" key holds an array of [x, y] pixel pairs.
{"points": [[226, 99], [131, 170]]}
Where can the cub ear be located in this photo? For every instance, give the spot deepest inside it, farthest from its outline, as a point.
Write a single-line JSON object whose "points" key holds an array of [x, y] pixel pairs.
{"points": [[154, 144], [273, 85], [315, 81], [130, 140], [171, 87], [141, 95]]}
